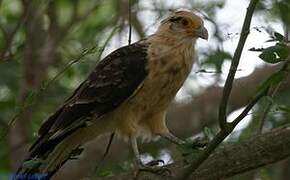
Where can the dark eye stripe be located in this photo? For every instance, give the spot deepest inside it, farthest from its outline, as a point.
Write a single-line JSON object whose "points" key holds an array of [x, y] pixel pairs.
{"points": [[174, 19]]}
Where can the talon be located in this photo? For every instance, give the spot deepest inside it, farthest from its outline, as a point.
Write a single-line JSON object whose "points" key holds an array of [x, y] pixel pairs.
{"points": [[155, 162], [151, 167], [155, 170], [199, 143]]}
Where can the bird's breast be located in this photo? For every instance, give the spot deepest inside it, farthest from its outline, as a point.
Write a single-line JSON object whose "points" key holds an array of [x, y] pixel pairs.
{"points": [[167, 72]]}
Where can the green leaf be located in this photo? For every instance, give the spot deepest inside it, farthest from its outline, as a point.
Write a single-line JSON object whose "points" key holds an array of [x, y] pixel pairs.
{"points": [[268, 56], [279, 36], [282, 50], [274, 79], [275, 54]]}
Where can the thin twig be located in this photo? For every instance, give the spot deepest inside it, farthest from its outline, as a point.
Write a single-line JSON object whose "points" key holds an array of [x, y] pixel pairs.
{"points": [[245, 112], [220, 137], [10, 36], [267, 109], [235, 62], [227, 128], [36, 95], [113, 134], [75, 18], [130, 22], [212, 72], [101, 162]]}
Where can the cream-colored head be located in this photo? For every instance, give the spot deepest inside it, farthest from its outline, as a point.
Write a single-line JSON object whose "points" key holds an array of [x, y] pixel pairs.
{"points": [[183, 24]]}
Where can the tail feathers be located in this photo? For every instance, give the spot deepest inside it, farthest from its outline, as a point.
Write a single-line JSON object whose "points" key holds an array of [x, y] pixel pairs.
{"points": [[50, 153], [44, 167]]}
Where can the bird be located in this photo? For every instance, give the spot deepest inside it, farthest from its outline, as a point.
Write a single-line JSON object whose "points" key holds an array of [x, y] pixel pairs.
{"points": [[127, 93]]}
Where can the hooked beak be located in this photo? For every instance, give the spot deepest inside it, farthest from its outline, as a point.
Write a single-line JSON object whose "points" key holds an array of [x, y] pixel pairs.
{"points": [[202, 33]]}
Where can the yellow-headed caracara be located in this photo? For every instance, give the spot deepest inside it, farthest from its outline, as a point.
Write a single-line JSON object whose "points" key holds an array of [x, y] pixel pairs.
{"points": [[127, 93]]}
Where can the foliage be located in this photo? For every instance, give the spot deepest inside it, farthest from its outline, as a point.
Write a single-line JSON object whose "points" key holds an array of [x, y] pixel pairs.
{"points": [[216, 59], [75, 33], [274, 54]]}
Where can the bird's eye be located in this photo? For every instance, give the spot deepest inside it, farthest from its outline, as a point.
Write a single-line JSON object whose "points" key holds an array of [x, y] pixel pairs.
{"points": [[184, 22]]}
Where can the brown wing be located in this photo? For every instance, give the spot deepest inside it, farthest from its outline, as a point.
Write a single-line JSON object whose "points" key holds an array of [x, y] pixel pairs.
{"points": [[114, 80]]}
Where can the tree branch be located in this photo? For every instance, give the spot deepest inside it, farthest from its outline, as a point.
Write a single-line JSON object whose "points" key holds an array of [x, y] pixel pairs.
{"points": [[235, 63], [76, 18], [274, 90], [9, 37], [226, 128], [199, 112], [231, 160]]}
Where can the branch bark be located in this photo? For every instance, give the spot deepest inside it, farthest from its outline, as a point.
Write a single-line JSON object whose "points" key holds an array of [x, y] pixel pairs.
{"points": [[39, 54], [19, 133], [201, 111], [231, 160], [227, 128]]}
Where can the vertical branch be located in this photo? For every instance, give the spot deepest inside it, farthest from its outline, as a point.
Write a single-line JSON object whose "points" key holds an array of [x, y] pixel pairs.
{"points": [[33, 72], [227, 128], [234, 65], [130, 23], [286, 32]]}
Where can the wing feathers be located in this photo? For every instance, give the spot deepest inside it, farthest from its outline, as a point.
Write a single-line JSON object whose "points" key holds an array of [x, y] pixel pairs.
{"points": [[114, 80]]}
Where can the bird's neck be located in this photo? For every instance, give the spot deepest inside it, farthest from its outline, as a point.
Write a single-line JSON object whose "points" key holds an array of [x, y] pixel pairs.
{"points": [[173, 41], [164, 46]]}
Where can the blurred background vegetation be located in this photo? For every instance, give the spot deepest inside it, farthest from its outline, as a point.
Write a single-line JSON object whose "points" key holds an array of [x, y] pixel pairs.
{"points": [[48, 47]]}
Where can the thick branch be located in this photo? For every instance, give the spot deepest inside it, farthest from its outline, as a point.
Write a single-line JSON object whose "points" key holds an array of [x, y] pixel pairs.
{"points": [[199, 112], [231, 160]]}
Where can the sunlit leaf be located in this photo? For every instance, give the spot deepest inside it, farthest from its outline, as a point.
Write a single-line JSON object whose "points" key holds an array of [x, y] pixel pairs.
{"points": [[275, 54], [279, 36]]}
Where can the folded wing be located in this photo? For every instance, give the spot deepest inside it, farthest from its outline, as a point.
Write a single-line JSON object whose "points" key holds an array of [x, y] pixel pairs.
{"points": [[114, 80]]}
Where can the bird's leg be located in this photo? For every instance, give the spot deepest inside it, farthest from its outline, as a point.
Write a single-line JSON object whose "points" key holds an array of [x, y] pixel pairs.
{"points": [[151, 166], [170, 137], [135, 149]]}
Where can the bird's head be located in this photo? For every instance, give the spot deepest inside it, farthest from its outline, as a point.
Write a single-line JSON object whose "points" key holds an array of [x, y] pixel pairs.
{"points": [[184, 24]]}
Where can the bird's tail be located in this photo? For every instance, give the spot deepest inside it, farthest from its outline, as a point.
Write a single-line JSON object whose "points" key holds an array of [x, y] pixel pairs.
{"points": [[44, 165], [63, 152]]}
